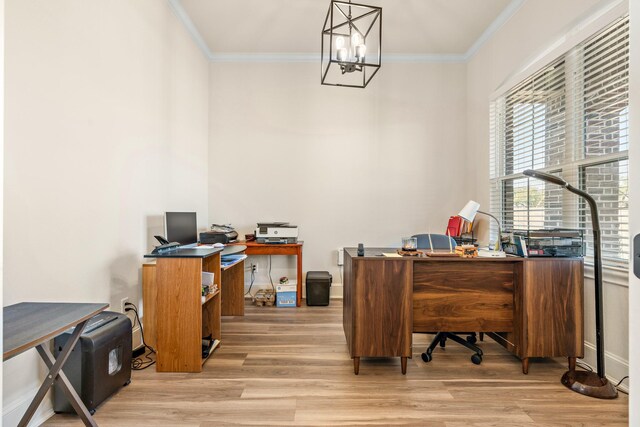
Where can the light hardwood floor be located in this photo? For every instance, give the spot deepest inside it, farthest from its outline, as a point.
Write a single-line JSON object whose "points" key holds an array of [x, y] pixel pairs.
{"points": [[282, 366]]}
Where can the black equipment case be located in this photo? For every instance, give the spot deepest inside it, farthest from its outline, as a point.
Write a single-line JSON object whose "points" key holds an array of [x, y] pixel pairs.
{"points": [[318, 287]]}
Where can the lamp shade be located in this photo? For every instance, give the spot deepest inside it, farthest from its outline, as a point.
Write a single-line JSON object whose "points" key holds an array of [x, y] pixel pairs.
{"points": [[468, 213]]}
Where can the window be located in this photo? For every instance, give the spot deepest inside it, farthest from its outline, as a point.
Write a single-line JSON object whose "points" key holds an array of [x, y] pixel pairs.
{"points": [[570, 119]]}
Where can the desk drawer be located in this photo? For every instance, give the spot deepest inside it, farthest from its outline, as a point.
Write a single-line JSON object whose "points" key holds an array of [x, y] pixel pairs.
{"points": [[463, 296]]}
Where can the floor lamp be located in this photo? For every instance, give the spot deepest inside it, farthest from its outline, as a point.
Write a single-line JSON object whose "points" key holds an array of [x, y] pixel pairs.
{"points": [[584, 382]]}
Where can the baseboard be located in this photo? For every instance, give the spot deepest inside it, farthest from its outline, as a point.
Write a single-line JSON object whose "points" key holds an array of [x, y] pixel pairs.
{"points": [[616, 368], [13, 412]]}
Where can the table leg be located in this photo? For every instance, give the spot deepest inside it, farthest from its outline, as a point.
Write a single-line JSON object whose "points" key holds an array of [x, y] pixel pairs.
{"points": [[572, 363], [356, 365], [55, 374], [525, 365], [403, 364], [299, 275]]}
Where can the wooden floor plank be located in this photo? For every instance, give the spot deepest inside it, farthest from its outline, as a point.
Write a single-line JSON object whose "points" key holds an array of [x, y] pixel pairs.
{"points": [[292, 367]]}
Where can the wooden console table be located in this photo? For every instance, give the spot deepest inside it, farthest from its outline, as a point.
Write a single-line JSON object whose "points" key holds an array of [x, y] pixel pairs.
{"points": [[255, 248], [34, 324], [532, 306]]}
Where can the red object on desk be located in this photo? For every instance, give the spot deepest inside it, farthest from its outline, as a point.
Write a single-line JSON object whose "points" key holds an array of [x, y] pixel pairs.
{"points": [[454, 227]]}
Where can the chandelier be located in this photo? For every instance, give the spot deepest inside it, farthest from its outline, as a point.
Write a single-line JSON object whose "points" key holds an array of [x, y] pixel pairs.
{"points": [[351, 44]]}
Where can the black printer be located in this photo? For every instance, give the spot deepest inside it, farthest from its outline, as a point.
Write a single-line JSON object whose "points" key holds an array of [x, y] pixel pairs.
{"points": [[219, 234]]}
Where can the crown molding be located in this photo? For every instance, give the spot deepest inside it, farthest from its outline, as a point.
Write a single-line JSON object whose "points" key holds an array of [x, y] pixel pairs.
{"points": [[497, 23], [183, 16], [315, 57], [418, 58]]}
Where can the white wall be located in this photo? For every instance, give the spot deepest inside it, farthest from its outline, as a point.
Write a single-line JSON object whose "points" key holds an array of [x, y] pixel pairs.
{"points": [[346, 165], [529, 40], [634, 227], [1, 160], [106, 129]]}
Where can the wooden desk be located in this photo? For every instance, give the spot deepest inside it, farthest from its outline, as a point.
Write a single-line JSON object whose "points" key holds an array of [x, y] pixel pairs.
{"points": [[34, 324], [255, 248], [532, 306], [174, 301]]}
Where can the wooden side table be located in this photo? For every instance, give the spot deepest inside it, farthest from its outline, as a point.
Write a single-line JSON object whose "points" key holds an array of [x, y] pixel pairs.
{"points": [[295, 249]]}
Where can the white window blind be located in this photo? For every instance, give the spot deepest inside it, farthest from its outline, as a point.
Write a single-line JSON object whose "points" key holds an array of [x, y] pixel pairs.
{"points": [[571, 119]]}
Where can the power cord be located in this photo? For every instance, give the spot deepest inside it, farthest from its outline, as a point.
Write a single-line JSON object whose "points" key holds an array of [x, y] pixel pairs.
{"points": [[144, 361], [620, 382], [270, 279], [253, 277]]}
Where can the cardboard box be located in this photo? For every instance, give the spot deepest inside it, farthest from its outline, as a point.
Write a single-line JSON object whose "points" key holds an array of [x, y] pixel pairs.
{"points": [[286, 295]]}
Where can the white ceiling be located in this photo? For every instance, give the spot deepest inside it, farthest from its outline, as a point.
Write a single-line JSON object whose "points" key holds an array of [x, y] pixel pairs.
{"points": [[410, 27]]}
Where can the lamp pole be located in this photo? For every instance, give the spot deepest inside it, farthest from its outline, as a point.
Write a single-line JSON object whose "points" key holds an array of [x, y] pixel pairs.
{"points": [[581, 381]]}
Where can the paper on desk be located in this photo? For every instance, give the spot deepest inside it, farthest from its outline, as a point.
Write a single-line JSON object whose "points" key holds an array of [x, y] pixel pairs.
{"points": [[392, 254]]}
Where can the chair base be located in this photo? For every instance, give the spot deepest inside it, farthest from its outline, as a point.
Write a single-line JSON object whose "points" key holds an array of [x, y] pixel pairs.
{"points": [[441, 338]]}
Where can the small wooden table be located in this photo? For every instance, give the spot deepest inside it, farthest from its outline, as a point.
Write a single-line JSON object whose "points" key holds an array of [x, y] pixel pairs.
{"points": [[255, 248], [33, 324]]}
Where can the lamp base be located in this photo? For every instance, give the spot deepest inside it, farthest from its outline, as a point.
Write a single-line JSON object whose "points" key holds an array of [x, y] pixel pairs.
{"points": [[589, 384]]}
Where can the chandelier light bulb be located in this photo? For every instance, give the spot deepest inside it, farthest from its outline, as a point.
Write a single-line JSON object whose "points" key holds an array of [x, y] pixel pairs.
{"points": [[339, 42], [356, 39], [360, 51], [342, 54]]}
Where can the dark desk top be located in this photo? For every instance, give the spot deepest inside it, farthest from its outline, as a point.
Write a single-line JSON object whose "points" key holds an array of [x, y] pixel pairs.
{"points": [[376, 253], [28, 324], [196, 252], [233, 249]]}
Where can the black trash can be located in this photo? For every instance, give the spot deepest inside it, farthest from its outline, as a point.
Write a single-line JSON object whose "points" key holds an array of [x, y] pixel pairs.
{"points": [[100, 362], [318, 287]]}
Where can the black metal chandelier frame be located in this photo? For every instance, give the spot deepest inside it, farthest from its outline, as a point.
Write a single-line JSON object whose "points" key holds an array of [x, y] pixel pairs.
{"points": [[346, 29]]}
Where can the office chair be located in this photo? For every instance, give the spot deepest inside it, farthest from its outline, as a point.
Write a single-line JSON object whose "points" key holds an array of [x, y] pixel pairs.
{"points": [[441, 241]]}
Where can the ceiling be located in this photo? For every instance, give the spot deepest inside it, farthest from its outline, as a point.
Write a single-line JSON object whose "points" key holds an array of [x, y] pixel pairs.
{"points": [[410, 27]]}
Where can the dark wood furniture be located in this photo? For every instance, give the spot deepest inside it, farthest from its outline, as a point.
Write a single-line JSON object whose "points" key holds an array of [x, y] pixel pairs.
{"points": [[255, 248], [531, 306], [34, 324], [182, 316]]}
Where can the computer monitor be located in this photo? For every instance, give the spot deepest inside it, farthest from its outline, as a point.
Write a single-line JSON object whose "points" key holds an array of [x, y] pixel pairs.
{"points": [[181, 227]]}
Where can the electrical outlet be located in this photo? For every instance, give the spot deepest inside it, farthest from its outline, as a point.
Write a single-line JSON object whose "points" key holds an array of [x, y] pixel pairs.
{"points": [[254, 267], [123, 301], [340, 256]]}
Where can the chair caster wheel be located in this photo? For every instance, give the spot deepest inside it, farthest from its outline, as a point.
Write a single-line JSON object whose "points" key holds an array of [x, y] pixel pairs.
{"points": [[471, 339], [476, 359], [92, 412], [443, 342], [426, 357]]}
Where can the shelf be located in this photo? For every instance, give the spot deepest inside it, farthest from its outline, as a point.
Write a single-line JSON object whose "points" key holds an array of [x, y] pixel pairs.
{"points": [[210, 296], [232, 260]]}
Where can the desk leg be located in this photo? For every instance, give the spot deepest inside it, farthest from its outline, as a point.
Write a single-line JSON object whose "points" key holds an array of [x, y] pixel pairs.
{"points": [[525, 365], [572, 363], [56, 374], [299, 278], [356, 365], [403, 363]]}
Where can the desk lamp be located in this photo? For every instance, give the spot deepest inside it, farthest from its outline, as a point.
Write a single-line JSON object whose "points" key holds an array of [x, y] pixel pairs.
{"points": [[583, 382], [468, 213]]}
